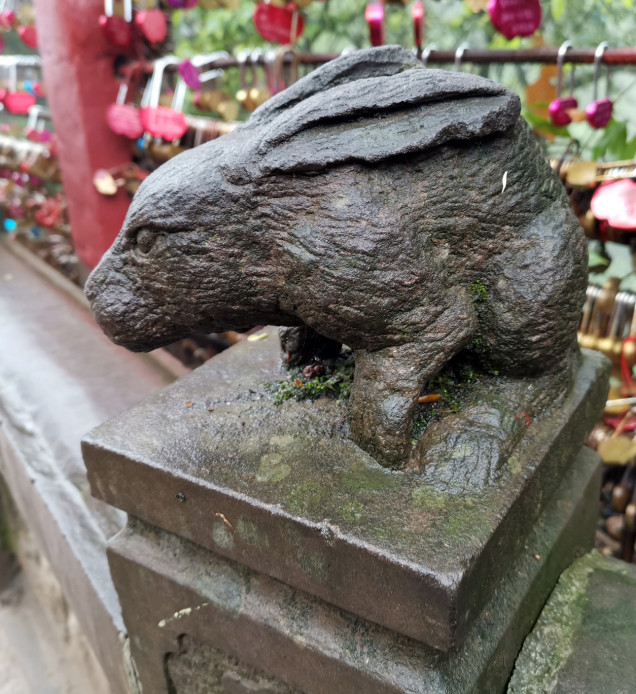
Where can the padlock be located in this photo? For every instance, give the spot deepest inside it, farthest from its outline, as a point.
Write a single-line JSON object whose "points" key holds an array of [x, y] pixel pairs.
{"points": [[118, 30], [558, 109], [161, 121], [122, 118], [599, 112], [259, 92], [35, 130], [229, 110], [8, 17], [29, 36], [244, 95], [17, 101], [190, 70], [152, 24], [514, 18], [283, 25], [209, 99]]}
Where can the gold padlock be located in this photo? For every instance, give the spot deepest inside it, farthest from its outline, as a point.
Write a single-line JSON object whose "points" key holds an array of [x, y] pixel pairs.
{"points": [[228, 110]]}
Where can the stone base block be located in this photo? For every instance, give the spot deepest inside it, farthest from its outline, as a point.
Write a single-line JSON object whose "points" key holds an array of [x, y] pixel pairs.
{"points": [[283, 490], [199, 622], [585, 639]]}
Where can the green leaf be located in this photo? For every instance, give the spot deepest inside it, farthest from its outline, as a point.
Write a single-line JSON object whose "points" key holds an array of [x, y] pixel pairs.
{"points": [[557, 8]]}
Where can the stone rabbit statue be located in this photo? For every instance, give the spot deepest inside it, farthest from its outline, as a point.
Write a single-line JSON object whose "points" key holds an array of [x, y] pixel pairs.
{"points": [[364, 202]]}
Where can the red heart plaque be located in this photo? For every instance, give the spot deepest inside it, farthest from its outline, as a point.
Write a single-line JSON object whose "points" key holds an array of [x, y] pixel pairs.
{"points": [[164, 122], [152, 24], [19, 102], [125, 119], [615, 202], [29, 36], [558, 110], [278, 24], [515, 17], [117, 30]]}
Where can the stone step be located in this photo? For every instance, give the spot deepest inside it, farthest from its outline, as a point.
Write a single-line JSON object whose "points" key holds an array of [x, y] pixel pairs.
{"points": [[584, 642]]}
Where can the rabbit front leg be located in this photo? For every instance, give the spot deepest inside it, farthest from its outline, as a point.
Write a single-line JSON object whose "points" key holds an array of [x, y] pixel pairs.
{"points": [[468, 450], [387, 382]]}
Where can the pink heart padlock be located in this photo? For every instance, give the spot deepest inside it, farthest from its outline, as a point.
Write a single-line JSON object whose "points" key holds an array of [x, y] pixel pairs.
{"points": [[19, 102], [161, 121], [278, 24], [558, 109], [515, 17], [152, 24], [29, 36], [7, 19], [164, 122], [122, 118], [599, 113], [118, 30], [190, 74]]}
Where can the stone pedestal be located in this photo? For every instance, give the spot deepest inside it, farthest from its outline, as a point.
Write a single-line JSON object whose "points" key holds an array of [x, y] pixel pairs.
{"points": [[265, 552]]}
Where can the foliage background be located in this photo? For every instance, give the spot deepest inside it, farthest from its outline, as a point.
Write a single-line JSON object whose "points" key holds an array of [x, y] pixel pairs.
{"points": [[334, 25]]}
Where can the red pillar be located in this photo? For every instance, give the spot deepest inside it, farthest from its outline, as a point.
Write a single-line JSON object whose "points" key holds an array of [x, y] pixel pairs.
{"points": [[78, 75]]}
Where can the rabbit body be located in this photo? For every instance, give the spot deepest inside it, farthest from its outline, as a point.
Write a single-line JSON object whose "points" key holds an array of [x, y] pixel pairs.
{"points": [[370, 217]]}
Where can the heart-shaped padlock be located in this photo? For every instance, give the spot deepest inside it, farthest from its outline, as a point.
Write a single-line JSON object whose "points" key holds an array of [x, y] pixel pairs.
{"points": [[118, 30], [190, 74], [152, 24], [515, 17], [29, 36], [19, 102], [599, 112], [7, 19], [122, 118], [278, 24], [558, 109], [161, 121]]}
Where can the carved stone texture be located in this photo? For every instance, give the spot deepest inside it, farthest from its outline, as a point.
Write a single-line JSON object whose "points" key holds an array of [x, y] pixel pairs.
{"points": [[198, 668], [366, 201]]}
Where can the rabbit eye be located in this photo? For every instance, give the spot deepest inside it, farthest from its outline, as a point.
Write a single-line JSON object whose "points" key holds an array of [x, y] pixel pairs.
{"points": [[145, 241]]}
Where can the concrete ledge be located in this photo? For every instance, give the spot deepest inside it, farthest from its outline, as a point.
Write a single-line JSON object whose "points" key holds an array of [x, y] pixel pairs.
{"points": [[59, 377], [584, 642]]}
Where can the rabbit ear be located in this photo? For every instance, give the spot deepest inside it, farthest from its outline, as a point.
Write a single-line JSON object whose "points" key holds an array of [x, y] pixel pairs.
{"points": [[373, 119], [372, 62]]}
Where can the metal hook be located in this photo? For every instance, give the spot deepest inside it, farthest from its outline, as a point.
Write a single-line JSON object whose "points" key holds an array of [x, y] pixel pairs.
{"points": [[598, 59], [459, 55], [563, 49], [426, 54]]}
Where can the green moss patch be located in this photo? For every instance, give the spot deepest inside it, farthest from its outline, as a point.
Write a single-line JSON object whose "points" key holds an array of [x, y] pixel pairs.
{"points": [[335, 383]]}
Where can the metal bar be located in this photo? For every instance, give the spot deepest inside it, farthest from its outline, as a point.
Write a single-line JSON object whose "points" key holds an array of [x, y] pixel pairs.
{"points": [[547, 56]]}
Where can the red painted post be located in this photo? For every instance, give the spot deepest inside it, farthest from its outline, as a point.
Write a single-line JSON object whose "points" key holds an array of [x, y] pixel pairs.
{"points": [[78, 75]]}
